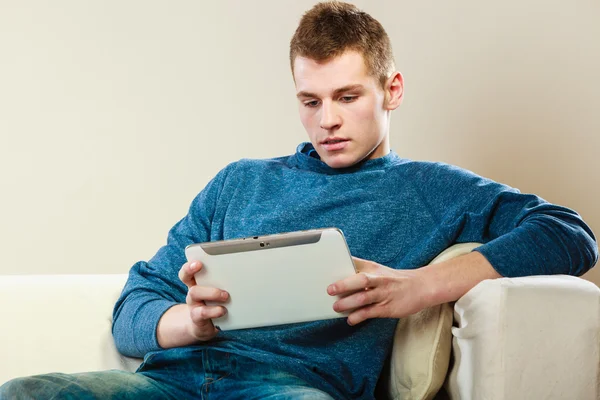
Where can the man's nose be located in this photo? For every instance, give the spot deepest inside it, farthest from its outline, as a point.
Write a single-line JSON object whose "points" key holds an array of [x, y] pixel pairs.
{"points": [[330, 118]]}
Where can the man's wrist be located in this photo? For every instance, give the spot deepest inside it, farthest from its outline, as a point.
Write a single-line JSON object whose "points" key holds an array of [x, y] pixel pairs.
{"points": [[450, 280], [173, 328]]}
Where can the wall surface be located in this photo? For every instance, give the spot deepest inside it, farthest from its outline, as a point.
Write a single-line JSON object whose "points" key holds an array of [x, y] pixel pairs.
{"points": [[114, 114]]}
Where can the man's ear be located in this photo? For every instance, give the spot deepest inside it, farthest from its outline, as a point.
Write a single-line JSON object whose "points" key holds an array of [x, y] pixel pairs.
{"points": [[394, 91]]}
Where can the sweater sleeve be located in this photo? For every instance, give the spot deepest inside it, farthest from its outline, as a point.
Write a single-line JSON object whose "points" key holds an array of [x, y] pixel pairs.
{"points": [[154, 286], [522, 233]]}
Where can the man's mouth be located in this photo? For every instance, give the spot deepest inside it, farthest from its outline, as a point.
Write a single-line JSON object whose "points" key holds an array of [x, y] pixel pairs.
{"points": [[333, 140], [334, 144]]}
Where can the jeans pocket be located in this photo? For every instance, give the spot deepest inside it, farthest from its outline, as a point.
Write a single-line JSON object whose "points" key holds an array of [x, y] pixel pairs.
{"points": [[147, 360]]}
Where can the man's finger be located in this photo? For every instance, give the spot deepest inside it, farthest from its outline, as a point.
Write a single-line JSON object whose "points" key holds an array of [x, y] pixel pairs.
{"points": [[187, 271], [362, 314], [359, 299], [363, 265], [198, 294], [203, 313], [352, 284]]}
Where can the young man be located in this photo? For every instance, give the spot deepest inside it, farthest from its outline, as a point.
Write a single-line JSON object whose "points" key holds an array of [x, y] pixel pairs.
{"points": [[396, 214]]}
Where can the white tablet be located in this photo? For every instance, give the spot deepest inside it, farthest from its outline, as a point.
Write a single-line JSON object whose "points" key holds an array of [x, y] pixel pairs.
{"points": [[275, 279]]}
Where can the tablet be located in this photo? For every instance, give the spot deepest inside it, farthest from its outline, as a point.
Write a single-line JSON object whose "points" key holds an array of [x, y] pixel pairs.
{"points": [[275, 279]]}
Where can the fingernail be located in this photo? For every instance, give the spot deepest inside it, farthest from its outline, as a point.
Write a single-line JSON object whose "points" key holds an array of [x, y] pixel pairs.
{"points": [[194, 265], [331, 289], [224, 295]]}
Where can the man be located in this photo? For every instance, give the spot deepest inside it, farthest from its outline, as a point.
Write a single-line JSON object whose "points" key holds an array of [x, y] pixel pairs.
{"points": [[396, 214]]}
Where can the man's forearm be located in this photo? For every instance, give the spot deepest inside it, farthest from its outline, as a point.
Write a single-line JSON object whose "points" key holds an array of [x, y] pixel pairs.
{"points": [[452, 279]]}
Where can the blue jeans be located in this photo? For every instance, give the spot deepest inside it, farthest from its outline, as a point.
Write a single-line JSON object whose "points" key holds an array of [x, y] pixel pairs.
{"points": [[213, 375]]}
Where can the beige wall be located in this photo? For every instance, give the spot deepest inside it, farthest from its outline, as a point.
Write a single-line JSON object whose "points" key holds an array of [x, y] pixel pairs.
{"points": [[114, 114]]}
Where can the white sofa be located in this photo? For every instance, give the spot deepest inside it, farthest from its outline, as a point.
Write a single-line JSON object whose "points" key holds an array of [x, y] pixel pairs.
{"points": [[523, 338]]}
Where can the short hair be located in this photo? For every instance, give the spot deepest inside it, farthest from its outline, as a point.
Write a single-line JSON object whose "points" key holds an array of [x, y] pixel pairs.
{"points": [[331, 28]]}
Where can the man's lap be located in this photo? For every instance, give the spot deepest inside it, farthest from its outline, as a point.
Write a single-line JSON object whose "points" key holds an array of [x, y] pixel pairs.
{"points": [[111, 384], [217, 376]]}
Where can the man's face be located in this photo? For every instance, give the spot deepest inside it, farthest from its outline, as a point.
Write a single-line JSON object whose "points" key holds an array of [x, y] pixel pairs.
{"points": [[342, 109]]}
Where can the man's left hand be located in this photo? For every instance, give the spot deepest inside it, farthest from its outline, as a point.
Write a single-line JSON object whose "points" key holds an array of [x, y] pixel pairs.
{"points": [[377, 291]]}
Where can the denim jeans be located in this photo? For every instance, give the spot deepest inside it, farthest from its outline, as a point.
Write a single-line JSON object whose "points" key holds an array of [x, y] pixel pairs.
{"points": [[162, 375]]}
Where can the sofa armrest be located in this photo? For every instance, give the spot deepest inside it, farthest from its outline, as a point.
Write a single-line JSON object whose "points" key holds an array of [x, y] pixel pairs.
{"points": [[58, 323], [527, 338]]}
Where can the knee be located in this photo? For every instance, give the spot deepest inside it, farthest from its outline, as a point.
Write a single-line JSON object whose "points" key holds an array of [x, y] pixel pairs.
{"points": [[20, 388]]}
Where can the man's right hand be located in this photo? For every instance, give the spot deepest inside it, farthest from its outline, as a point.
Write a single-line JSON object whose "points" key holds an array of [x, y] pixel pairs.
{"points": [[186, 324]]}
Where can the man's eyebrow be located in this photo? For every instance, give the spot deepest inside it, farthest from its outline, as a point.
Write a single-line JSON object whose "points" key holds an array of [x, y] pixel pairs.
{"points": [[343, 89]]}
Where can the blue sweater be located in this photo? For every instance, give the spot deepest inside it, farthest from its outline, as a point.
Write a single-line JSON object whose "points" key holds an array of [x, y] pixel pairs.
{"points": [[394, 211]]}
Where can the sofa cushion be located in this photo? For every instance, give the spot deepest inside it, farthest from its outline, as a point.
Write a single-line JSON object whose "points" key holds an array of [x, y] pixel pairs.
{"points": [[422, 346]]}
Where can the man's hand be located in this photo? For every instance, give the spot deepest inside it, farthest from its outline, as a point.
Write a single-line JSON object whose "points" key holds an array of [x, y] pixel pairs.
{"points": [[202, 327], [377, 291], [186, 324]]}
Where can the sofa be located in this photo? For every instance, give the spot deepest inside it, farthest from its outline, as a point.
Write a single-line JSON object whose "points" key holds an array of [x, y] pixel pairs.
{"points": [[533, 337]]}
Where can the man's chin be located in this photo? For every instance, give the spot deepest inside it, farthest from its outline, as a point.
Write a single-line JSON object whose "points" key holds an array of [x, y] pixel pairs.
{"points": [[339, 161]]}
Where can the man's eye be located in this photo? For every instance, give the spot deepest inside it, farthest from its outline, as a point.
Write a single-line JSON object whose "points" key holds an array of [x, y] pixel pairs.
{"points": [[348, 99], [311, 104]]}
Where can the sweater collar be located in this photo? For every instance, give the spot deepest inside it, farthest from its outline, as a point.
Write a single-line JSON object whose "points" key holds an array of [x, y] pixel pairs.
{"points": [[307, 158]]}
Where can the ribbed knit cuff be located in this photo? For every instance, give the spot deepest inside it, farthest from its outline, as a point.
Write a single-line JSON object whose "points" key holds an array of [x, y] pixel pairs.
{"points": [[147, 318], [510, 256]]}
